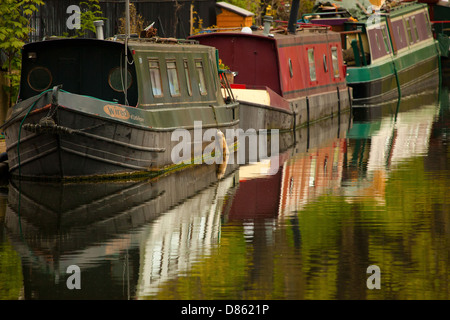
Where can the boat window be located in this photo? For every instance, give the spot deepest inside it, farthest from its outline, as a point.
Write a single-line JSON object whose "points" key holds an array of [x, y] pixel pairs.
{"points": [[399, 34], [415, 28], [155, 78], [325, 63], [378, 41], [188, 78], [39, 79], [116, 79], [335, 61], [174, 85], [291, 71], [408, 30], [201, 77], [427, 18], [385, 38], [312, 64]]}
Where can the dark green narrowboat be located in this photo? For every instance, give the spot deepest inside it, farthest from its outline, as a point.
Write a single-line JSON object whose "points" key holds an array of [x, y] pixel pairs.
{"points": [[389, 50], [75, 119]]}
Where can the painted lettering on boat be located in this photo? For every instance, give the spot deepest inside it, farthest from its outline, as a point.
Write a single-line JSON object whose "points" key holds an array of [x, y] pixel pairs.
{"points": [[137, 118], [116, 112]]}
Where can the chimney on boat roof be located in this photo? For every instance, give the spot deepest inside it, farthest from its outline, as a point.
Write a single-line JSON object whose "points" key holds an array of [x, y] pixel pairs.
{"points": [[267, 24], [99, 29], [292, 25]]}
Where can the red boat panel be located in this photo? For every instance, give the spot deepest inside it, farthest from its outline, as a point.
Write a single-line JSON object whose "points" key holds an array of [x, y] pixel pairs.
{"points": [[253, 57], [281, 62]]}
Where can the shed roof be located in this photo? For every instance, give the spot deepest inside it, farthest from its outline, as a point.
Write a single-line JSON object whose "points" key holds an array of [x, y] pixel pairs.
{"points": [[235, 9]]}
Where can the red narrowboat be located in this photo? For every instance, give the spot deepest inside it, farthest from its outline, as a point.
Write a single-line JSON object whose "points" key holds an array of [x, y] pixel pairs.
{"points": [[284, 77]]}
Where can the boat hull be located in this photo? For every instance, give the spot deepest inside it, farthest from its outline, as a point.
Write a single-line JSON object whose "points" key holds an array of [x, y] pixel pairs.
{"points": [[94, 139], [369, 89], [301, 112]]}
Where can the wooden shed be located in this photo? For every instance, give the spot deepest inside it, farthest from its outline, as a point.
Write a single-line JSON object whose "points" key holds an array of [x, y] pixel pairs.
{"points": [[230, 16]]}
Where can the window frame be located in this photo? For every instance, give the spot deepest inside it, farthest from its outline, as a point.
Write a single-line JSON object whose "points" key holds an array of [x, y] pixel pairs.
{"points": [[33, 85], [312, 65], [129, 78], [408, 31], [385, 39], [335, 62], [187, 74], [159, 79], [172, 74], [416, 32], [201, 77]]}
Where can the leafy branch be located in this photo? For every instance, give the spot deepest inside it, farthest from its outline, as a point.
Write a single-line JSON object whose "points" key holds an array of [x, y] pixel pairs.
{"points": [[15, 27], [90, 12]]}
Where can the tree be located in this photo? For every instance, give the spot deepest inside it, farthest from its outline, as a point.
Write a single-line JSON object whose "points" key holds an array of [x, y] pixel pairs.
{"points": [[15, 27], [255, 6], [90, 12]]}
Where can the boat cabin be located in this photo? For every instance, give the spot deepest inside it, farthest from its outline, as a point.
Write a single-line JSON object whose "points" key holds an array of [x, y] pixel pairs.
{"points": [[377, 36], [290, 65], [83, 66], [157, 74]]}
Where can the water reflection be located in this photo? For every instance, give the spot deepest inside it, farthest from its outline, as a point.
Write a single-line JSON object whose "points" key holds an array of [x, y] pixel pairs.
{"points": [[126, 237], [347, 193], [380, 144]]}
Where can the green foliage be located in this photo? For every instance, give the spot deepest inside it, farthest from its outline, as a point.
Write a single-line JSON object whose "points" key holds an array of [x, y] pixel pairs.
{"points": [[249, 5], [90, 12], [11, 278], [279, 9], [15, 18], [254, 6], [137, 22]]}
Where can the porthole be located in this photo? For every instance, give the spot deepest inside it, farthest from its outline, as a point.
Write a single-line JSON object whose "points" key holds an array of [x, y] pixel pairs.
{"points": [[116, 79], [39, 79]]}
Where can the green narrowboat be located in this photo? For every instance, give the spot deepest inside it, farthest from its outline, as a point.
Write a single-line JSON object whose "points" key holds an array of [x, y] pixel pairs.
{"points": [[92, 108], [389, 50]]}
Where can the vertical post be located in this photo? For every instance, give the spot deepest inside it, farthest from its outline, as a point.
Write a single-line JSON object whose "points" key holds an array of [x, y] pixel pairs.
{"points": [[350, 100], [127, 35], [292, 25], [307, 123], [191, 20], [362, 49], [356, 53]]}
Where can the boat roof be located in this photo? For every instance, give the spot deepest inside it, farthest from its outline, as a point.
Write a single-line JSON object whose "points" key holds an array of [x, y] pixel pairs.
{"points": [[279, 35], [136, 44], [360, 10], [88, 67], [142, 44]]}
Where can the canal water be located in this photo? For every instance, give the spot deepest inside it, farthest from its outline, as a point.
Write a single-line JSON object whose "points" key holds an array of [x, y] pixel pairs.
{"points": [[357, 208]]}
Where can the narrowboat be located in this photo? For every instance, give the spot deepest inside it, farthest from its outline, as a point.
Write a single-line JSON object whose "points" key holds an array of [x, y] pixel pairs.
{"points": [[284, 77], [389, 49], [94, 109]]}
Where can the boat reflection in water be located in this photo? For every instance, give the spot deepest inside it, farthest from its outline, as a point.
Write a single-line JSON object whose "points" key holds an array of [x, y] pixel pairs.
{"points": [[131, 237], [357, 162], [126, 237], [384, 136], [317, 148]]}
